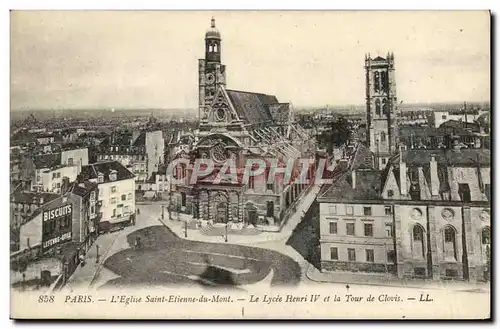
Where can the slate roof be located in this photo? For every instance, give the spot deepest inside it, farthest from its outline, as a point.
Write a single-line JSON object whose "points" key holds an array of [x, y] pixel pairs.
{"points": [[49, 160], [251, 107], [280, 112], [368, 187], [33, 197], [443, 130], [461, 125], [464, 157], [91, 171], [140, 140]]}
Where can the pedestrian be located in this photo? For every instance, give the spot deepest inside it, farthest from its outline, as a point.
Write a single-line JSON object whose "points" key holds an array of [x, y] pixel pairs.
{"points": [[138, 242]]}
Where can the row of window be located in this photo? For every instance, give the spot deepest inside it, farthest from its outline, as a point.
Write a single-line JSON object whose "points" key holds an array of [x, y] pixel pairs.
{"points": [[351, 229], [369, 255], [367, 210], [123, 198]]}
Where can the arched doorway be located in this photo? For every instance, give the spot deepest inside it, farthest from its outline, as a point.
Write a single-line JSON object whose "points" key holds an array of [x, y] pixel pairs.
{"points": [[221, 213], [221, 208]]}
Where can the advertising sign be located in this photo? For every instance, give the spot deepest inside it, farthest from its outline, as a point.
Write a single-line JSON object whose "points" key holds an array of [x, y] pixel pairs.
{"points": [[57, 225]]}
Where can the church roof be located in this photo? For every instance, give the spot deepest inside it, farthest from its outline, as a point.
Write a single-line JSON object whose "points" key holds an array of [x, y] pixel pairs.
{"points": [[251, 107], [280, 112]]}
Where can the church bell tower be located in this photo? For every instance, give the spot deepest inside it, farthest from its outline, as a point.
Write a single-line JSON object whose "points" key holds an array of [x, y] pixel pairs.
{"points": [[381, 113], [211, 72]]}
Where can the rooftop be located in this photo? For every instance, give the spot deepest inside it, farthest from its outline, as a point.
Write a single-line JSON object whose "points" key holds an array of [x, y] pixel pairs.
{"points": [[93, 170]]}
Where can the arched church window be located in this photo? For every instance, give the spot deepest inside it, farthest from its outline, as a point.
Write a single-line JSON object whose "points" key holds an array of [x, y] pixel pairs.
{"points": [[418, 241], [377, 106], [382, 136], [384, 81], [385, 107], [377, 81], [215, 48], [485, 235], [450, 245]]}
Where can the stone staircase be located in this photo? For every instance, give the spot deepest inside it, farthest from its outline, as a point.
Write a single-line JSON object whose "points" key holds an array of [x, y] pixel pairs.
{"points": [[220, 230]]}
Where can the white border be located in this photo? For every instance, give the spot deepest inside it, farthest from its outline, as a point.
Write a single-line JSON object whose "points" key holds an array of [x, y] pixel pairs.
{"points": [[192, 5]]}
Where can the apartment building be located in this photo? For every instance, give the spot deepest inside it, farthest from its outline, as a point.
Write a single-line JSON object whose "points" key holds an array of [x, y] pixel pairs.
{"points": [[116, 185]]}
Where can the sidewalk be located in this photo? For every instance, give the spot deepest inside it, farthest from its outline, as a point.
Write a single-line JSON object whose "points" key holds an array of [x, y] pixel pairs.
{"points": [[178, 227], [109, 244], [386, 279]]}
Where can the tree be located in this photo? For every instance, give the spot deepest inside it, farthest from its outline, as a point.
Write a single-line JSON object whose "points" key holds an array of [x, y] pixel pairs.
{"points": [[339, 133]]}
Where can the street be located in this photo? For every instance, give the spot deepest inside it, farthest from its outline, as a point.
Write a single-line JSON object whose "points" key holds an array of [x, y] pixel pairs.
{"points": [[164, 258]]}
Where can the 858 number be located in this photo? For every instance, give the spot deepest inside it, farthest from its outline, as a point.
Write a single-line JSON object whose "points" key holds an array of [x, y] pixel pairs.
{"points": [[46, 299]]}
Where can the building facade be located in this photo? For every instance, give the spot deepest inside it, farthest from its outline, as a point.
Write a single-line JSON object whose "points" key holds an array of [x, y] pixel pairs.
{"points": [[427, 214], [116, 197], [71, 217]]}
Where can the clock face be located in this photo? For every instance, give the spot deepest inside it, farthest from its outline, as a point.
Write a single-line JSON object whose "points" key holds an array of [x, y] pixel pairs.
{"points": [[210, 78]]}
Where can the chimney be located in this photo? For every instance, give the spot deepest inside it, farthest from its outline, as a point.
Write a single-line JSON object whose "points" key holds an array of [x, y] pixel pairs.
{"points": [[353, 179], [434, 177], [403, 174], [65, 185], [41, 200]]}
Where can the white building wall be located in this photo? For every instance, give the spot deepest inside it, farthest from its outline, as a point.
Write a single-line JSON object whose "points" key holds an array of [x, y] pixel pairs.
{"points": [[111, 193], [79, 157]]}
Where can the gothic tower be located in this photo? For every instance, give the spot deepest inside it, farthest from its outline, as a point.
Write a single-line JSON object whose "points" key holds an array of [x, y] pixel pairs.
{"points": [[211, 72], [381, 100]]}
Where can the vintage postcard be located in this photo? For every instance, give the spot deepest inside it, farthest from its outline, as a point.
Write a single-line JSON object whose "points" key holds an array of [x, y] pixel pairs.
{"points": [[250, 165]]}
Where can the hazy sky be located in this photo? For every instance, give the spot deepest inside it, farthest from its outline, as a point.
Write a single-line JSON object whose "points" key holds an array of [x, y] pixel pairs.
{"points": [[148, 59]]}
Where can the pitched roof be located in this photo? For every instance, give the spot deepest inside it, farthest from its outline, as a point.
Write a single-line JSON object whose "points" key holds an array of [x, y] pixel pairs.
{"points": [[140, 140], [280, 112], [251, 107], [368, 186], [91, 171], [463, 157], [379, 59], [33, 197], [87, 187]]}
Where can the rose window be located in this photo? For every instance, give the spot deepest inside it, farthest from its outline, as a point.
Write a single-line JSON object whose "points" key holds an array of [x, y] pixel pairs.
{"points": [[219, 153]]}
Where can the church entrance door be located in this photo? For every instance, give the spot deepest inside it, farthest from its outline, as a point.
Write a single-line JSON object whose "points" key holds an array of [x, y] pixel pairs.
{"points": [[221, 213]]}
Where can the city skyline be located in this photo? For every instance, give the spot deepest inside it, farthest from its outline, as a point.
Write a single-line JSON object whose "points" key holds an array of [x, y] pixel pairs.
{"points": [[59, 61]]}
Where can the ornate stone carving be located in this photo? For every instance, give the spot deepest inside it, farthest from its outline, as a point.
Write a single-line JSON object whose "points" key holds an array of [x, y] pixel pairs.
{"points": [[447, 214], [416, 213], [485, 215]]}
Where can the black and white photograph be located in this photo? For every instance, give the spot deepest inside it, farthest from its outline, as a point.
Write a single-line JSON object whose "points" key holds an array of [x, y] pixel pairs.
{"points": [[250, 164]]}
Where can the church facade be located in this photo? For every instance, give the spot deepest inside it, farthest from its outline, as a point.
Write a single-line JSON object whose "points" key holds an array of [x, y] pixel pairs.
{"points": [[237, 126]]}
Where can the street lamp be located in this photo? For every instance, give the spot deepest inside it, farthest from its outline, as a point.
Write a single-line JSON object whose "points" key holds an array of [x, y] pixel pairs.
{"points": [[97, 251], [170, 201], [225, 239], [162, 211]]}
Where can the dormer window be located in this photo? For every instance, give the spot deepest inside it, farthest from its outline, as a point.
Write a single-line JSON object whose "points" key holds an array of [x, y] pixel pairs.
{"points": [[100, 178], [112, 175]]}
